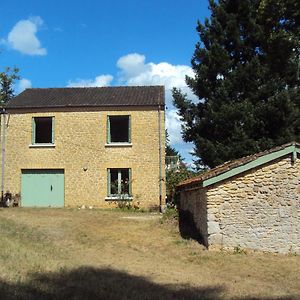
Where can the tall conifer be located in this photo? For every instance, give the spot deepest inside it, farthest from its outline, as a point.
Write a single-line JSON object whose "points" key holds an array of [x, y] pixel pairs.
{"points": [[246, 80]]}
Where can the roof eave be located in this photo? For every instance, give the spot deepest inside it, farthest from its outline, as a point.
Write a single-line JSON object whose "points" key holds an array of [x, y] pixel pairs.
{"points": [[292, 148], [160, 105]]}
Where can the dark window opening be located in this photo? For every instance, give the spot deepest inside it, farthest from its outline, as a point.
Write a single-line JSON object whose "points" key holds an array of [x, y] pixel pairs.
{"points": [[119, 182], [43, 130], [119, 127], [114, 181]]}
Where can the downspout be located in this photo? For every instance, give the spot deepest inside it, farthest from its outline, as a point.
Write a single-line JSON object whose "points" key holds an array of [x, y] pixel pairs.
{"points": [[160, 159], [3, 117]]}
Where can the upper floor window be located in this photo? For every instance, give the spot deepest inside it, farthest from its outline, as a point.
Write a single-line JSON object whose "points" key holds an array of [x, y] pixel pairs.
{"points": [[118, 129], [43, 130]]}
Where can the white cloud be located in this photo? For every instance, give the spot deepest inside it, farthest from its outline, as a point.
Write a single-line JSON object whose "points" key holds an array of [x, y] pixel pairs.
{"points": [[132, 65], [23, 37], [22, 85], [173, 124], [134, 71], [102, 80]]}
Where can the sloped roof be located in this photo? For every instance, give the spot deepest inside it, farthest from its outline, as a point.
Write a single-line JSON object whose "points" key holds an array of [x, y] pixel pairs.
{"points": [[91, 97], [235, 167]]}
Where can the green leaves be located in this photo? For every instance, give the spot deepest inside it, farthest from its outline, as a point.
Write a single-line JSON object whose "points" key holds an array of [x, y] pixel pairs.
{"points": [[7, 78]]}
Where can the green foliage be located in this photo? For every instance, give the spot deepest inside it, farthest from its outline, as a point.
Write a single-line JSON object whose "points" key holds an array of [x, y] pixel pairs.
{"points": [[238, 250], [7, 79], [170, 215], [247, 66], [173, 178], [129, 205], [170, 151]]}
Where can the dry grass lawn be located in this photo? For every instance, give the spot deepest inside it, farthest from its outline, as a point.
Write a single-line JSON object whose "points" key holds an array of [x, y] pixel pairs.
{"points": [[101, 254]]}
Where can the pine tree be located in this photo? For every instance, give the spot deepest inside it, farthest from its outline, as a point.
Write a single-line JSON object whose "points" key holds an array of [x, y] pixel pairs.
{"points": [[246, 67], [170, 151]]}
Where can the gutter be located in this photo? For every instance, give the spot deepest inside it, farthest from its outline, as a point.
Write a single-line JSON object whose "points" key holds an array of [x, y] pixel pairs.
{"points": [[2, 137], [160, 159]]}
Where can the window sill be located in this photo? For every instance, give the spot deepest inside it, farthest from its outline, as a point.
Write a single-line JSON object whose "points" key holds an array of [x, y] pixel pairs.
{"points": [[42, 146], [119, 145], [118, 198]]}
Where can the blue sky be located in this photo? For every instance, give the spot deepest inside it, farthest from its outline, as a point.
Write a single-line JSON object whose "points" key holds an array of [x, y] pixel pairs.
{"points": [[100, 43]]}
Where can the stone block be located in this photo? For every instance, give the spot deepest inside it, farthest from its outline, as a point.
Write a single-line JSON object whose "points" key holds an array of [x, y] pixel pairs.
{"points": [[213, 227]]}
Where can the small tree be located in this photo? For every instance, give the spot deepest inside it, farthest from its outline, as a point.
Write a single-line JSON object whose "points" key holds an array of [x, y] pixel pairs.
{"points": [[174, 176], [7, 79]]}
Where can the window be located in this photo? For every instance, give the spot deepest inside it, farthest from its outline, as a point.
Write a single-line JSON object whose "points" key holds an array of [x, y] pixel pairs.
{"points": [[118, 129], [43, 130], [119, 183]]}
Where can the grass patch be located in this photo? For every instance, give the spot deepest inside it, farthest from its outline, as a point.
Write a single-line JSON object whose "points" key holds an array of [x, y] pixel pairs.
{"points": [[102, 254], [170, 216]]}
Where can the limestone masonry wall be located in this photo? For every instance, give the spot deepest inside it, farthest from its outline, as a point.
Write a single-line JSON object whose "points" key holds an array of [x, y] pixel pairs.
{"points": [[81, 150], [259, 209]]}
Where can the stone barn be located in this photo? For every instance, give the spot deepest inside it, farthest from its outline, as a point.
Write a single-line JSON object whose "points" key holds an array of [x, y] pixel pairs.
{"points": [[251, 203]]}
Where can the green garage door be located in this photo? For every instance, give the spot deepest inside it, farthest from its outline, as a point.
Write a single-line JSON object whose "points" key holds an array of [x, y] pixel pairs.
{"points": [[42, 188]]}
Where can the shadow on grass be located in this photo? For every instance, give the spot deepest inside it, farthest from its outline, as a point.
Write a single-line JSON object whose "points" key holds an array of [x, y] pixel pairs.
{"points": [[93, 283]]}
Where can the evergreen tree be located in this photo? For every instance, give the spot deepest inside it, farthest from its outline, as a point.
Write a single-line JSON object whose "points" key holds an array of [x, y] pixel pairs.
{"points": [[246, 68], [170, 151]]}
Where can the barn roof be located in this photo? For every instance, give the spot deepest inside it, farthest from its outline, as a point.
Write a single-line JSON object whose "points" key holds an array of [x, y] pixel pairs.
{"points": [[238, 166]]}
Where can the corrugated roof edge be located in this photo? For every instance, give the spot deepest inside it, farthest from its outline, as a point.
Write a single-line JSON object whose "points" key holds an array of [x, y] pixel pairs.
{"points": [[238, 166]]}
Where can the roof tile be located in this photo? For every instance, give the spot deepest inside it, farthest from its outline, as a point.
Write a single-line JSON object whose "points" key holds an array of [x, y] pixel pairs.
{"points": [[93, 96]]}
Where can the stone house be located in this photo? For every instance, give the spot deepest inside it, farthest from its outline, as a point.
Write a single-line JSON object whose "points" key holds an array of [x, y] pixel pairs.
{"points": [[252, 202], [68, 147]]}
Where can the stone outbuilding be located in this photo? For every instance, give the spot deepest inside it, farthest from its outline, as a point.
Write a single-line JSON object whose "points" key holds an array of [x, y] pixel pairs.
{"points": [[251, 203]]}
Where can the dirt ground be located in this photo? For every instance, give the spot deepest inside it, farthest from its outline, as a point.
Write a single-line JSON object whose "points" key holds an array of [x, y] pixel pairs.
{"points": [[112, 254]]}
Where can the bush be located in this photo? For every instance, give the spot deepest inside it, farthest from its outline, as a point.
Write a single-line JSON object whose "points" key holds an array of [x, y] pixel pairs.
{"points": [[173, 178]]}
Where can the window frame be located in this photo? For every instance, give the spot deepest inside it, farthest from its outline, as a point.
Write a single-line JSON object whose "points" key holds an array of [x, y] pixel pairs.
{"points": [[120, 195], [33, 131], [108, 133]]}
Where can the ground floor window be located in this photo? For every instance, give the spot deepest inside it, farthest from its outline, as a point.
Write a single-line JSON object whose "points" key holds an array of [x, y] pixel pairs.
{"points": [[119, 182]]}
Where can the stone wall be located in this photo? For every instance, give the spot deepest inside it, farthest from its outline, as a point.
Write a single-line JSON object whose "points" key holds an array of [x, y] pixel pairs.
{"points": [[81, 150], [258, 210]]}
